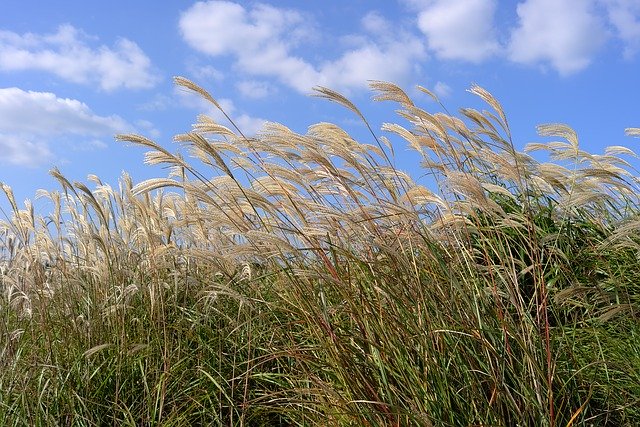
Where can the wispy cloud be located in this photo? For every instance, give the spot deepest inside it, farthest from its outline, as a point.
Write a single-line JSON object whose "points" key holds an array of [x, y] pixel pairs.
{"points": [[264, 40], [67, 54], [442, 89], [565, 34], [624, 15], [30, 121], [205, 72], [255, 89], [375, 23], [22, 151]]}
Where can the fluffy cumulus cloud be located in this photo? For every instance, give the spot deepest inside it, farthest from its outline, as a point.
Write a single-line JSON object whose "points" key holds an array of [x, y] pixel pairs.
{"points": [[29, 121], [261, 39], [264, 41], [461, 30], [67, 54], [206, 26], [565, 34], [389, 61]]}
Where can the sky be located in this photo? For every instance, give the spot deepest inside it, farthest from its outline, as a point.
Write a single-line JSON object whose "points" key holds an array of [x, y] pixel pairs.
{"points": [[74, 73]]}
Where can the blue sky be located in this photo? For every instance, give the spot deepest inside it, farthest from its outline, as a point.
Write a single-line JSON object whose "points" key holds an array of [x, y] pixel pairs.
{"points": [[75, 73]]}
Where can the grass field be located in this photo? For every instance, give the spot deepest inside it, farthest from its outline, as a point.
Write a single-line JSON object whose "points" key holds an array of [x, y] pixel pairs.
{"points": [[289, 279]]}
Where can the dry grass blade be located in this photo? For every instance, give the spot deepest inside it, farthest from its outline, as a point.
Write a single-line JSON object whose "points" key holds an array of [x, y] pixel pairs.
{"points": [[480, 120], [64, 182], [428, 92], [419, 195], [498, 189], [96, 349], [332, 95], [411, 138], [186, 83], [90, 197], [617, 150], [632, 131], [560, 130], [159, 154], [154, 184], [390, 92], [202, 144], [489, 99], [9, 193], [208, 125]]}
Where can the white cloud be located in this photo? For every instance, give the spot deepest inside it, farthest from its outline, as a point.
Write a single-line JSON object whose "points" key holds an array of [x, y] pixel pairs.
{"points": [[30, 120], [375, 23], [148, 128], [206, 27], [260, 42], [248, 124], [442, 89], [275, 60], [564, 33], [264, 38], [391, 61], [205, 72], [462, 29], [159, 102], [417, 4], [255, 89], [21, 151], [43, 113], [67, 54], [624, 15]]}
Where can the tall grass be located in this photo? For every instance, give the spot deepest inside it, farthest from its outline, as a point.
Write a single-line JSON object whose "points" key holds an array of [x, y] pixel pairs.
{"points": [[289, 279]]}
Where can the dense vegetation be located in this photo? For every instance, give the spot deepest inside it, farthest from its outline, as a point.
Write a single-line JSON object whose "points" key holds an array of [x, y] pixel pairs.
{"points": [[289, 279]]}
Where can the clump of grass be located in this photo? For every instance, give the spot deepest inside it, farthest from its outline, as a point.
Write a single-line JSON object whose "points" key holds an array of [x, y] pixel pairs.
{"points": [[302, 279]]}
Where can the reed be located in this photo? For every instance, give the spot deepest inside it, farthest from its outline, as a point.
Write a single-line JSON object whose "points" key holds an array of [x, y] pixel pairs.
{"points": [[303, 279]]}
